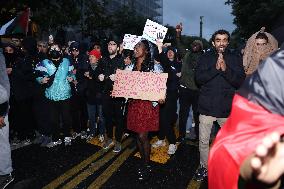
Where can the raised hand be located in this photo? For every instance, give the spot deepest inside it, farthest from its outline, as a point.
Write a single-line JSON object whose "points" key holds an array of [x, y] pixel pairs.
{"points": [[267, 163]]}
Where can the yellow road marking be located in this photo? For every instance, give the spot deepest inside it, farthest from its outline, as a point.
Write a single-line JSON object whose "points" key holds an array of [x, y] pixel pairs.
{"points": [[93, 167], [111, 169], [193, 184], [58, 181]]}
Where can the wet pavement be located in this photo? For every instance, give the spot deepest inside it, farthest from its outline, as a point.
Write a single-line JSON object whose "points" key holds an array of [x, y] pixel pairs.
{"points": [[86, 165]]}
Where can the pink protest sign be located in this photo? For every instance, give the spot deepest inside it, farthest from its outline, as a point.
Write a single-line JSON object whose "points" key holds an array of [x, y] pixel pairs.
{"points": [[140, 85]]}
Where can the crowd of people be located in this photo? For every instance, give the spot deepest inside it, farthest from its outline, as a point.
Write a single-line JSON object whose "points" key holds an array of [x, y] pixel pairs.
{"points": [[56, 93]]}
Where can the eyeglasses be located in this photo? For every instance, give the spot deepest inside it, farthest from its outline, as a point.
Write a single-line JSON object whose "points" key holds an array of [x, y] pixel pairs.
{"points": [[74, 50], [112, 44]]}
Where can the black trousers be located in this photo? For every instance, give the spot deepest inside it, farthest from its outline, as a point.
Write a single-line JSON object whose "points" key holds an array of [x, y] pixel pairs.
{"points": [[60, 113], [79, 113], [168, 117], [113, 112], [21, 117], [188, 98], [42, 114]]}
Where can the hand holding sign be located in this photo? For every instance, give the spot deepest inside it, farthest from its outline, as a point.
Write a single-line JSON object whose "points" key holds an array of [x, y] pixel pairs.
{"points": [[151, 30]]}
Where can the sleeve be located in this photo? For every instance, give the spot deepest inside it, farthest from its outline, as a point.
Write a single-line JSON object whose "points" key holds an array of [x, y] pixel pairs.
{"points": [[3, 95], [180, 47], [3, 108], [40, 71], [70, 72], [164, 62], [205, 71], [99, 70], [235, 73]]}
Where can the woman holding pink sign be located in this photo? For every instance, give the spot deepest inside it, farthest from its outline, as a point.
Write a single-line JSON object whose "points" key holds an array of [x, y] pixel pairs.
{"points": [[143, 115]]}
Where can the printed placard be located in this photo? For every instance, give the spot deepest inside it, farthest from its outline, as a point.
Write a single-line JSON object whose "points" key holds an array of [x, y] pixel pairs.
{"points": [[153, 31], [129, 41], [140, 85]]}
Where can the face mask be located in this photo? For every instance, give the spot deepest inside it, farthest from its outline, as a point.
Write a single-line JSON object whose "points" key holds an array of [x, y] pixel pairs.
{"points": [[10, 58], [57, 62], [55, 54]]}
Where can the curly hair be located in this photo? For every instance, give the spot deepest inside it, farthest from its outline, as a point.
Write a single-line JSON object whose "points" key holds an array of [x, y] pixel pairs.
{"points": [[220, 32], [148, 63]]}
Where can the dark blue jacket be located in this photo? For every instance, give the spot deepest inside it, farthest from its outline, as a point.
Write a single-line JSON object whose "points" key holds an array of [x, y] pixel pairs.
{"points": [[217, 88], [172, 68]]}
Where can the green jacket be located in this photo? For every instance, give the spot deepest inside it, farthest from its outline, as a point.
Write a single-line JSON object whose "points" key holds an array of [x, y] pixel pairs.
{"points": [[189, 63]]}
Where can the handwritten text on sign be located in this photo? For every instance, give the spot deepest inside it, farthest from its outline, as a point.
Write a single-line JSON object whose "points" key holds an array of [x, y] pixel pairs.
{"points": [[140, 85]]}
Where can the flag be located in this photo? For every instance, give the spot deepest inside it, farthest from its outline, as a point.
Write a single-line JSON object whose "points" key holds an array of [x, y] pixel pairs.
{"points": [[18, 25]]}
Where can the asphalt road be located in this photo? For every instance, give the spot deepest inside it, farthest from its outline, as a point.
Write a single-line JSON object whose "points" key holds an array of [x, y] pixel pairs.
{"points": [[86, 165]]}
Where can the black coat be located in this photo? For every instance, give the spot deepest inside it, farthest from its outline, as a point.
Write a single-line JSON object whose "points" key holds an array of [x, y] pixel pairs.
{"points": [[22, 79], [172, 68], [81, 65], [108, 67], [217, 88], [94, 88]]}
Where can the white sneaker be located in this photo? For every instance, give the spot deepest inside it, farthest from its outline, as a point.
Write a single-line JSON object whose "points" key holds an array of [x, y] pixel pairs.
{"points": [[67, 139], [53, 144], [84, 135], [159, 143], [75, 135], [101, 138], [126, 134], [172, 149], [90, 137], [26, 142]]}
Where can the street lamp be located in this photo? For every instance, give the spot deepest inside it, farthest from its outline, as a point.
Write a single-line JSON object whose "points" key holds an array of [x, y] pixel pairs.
{"points": [[201, 23]]}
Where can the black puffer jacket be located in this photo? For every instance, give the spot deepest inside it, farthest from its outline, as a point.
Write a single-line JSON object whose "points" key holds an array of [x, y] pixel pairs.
{"points": [[217, 88]]}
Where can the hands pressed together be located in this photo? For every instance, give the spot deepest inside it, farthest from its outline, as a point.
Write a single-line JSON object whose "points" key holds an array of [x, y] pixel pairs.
{"points": [[221, 63]]}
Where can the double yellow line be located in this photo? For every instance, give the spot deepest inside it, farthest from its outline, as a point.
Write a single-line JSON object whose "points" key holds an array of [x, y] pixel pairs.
{"points": [[92, 166]]}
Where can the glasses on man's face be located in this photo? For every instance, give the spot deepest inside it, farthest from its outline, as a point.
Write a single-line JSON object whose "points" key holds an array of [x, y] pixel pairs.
{"points": [[15, 40], [112, 44], [75, 50]]}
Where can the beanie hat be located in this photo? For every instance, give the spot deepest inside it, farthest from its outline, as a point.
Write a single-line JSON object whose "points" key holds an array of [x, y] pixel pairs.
{"points": [[74, 46], [114, 38], [95, 53], [198, 42]]}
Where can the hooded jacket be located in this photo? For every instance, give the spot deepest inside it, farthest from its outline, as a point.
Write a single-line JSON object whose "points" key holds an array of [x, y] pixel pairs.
{"points": [[257, 111], [4, 86]]}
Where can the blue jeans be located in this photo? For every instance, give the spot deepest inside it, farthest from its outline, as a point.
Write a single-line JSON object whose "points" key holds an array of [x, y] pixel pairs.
{"points": [[95, 110]]}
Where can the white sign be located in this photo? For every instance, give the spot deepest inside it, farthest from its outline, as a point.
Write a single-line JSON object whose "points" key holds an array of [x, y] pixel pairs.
{"points": [[129, 41], [153, 31]]}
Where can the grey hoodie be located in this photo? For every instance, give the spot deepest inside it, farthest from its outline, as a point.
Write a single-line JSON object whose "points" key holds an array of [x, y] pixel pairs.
{"points": [[4, 80]]}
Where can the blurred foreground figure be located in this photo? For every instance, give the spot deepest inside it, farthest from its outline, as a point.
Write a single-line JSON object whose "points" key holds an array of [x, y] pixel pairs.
{"points": [[247, 152]]}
